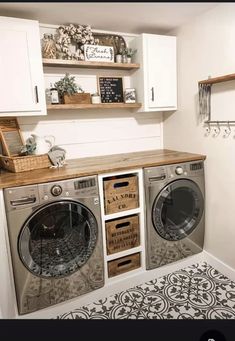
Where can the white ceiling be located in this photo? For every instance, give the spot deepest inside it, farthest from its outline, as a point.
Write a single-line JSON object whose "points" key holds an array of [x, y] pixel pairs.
{"points": [[132, 17]]}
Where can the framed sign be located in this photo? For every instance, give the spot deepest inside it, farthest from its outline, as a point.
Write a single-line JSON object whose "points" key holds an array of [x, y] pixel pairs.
{"points": [[12, 141], [130, 95], [111, 89], [98, 53]]}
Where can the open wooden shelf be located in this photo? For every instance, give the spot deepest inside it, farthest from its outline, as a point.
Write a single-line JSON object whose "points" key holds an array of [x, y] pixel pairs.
{"points": [[89, 65], [93, 106], [220, 79]]}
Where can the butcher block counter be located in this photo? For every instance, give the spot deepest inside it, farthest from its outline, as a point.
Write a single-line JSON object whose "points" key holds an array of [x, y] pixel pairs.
{"points": [[97, 165]]}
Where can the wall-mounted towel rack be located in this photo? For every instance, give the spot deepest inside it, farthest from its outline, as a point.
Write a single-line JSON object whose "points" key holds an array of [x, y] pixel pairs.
{"points": [[204, 87]]}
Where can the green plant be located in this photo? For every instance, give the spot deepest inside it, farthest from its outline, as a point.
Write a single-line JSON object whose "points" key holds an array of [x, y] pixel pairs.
{"points": [[129, 52], [67, 85]]}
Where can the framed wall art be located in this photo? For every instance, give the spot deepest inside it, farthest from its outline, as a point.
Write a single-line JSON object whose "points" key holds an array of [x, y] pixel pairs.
{"points": [[130, 95], [98, 53]]}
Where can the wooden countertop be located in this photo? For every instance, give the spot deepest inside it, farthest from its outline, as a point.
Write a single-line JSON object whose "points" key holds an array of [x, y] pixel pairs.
{"points": [[97, 165]]}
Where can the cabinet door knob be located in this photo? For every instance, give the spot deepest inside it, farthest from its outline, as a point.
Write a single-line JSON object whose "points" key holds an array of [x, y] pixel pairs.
{"points": [[152, 89], [36, 93]]}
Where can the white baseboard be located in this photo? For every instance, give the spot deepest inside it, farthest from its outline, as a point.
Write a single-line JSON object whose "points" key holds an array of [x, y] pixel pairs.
{"points": [[219, 265]]}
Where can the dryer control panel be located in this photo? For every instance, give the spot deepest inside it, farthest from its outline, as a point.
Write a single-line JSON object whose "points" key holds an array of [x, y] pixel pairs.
{"points": [[174, 171]]}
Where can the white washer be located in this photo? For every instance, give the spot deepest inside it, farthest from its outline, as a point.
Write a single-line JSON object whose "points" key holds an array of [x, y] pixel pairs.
{"points": [[175, 220], [56, 241]]}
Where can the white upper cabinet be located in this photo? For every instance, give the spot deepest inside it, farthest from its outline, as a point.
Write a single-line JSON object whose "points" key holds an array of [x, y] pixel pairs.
{"points": [[22, 83], [155, 81]]}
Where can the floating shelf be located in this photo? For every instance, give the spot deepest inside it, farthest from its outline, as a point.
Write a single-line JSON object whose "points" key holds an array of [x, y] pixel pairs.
{"points": [[218, 79], [94, 106], [89, 65]]}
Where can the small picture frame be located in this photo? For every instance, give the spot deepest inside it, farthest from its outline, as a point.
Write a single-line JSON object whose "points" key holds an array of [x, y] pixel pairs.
{"points": [[130, 95]]}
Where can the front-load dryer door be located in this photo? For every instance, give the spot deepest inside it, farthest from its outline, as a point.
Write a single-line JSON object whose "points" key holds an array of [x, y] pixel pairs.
{"points": [[177, 209], [58, 239]]}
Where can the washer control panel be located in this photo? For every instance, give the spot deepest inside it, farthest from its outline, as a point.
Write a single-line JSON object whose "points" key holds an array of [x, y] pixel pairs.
{"points": [[74, 188]]}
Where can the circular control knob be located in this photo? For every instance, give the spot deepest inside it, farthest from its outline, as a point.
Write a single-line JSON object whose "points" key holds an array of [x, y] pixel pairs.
{"points": [[56, 190], [179, 170]]}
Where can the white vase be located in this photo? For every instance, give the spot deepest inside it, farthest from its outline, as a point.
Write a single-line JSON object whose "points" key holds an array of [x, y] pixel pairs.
{"points": [[129, 60], [118, 58]]}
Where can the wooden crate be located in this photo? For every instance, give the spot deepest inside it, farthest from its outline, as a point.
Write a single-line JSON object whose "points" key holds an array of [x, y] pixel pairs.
{"points": [[24, 163], [123, 264], [78, 98], [121, 193], [122, 234]]}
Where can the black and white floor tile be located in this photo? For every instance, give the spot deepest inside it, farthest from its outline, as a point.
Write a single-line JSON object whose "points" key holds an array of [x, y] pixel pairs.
{"points": [[196, 292]]}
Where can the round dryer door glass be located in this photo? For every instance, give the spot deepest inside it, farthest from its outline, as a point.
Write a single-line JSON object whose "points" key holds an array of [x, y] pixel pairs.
{"points": [[58, 239], [178, 209]]}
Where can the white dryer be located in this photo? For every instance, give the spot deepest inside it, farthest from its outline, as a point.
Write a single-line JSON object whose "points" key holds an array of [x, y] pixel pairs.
{"points": [[56, 241], [175, 223]]}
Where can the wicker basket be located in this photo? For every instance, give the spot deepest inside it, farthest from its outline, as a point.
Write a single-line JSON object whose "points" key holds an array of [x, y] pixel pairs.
{"points": [[24, 163]]}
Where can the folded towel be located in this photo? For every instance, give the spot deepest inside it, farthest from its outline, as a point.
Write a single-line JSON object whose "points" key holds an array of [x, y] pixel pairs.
{"points": [[57, 156]]}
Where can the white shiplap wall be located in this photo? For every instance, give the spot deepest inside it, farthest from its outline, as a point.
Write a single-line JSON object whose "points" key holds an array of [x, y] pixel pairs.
{"points": [[85, 133]]}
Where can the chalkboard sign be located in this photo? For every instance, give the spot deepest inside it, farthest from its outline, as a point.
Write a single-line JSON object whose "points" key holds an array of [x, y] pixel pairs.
{"points": [[111, 89]]}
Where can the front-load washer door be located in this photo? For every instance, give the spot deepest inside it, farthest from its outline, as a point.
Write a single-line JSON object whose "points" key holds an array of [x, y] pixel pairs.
{"points": [[58, 239], [177, 209]]}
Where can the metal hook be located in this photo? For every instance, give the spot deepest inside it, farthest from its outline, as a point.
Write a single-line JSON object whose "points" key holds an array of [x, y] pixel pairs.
{"points": [[227, 130], [208, 129], [217, 129]]}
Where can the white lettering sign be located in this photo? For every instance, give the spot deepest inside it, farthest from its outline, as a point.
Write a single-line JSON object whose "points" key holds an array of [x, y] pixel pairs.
{"points": [[98, 53]]}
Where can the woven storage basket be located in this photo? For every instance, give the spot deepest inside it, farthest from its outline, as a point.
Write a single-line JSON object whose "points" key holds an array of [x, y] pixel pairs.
{"points": [[24, 163]]}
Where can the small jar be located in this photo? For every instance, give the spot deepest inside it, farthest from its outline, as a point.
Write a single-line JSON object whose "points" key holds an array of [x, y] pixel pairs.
{"points": [[95, 99], [54, 95]]}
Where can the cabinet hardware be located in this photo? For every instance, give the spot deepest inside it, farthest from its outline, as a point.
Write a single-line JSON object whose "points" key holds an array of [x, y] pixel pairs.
{"points": [[36, 93], [152, 89]]}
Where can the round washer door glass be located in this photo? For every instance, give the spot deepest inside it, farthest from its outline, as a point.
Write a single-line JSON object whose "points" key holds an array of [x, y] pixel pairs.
{"points": [[178, 209], [58, 239]]}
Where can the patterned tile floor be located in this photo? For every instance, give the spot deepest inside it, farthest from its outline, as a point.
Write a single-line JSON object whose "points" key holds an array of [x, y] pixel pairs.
{"points": [[196, 292]]}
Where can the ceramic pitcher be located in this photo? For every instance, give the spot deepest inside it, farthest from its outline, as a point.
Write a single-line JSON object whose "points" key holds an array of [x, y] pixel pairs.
{"points": [[43, 143]]}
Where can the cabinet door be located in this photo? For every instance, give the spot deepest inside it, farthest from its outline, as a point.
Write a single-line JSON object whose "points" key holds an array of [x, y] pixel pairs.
{"points": [[22, 83], [161, 71]]}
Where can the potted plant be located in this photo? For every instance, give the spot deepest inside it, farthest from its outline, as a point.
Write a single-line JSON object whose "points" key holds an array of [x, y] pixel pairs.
{"points": [[70, 92], [127, 54]]}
